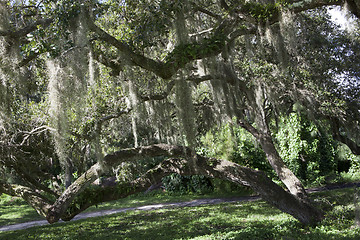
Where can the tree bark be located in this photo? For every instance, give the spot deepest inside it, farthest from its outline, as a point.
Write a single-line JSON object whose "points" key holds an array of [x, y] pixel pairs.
{"points": [[292, 183], [354, 7], [256, 99]]}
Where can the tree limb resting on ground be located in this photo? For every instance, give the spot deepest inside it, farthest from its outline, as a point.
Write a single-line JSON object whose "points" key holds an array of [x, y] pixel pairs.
{"points": [[184, 161]]}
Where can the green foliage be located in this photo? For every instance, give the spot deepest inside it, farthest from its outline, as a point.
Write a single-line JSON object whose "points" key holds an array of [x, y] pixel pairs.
{"points": [[261, 11], [9, 200], [348, 164], [307, 151], [343, 154], [176, 183], [184, 53], [140, 23], [233, 143]]}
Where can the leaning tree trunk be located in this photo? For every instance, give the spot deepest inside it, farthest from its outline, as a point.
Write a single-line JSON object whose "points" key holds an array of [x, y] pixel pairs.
{"points": [[256, 98], [292, 183], [77, 198]]}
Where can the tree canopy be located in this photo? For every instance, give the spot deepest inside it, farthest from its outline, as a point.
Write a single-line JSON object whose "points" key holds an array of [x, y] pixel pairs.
{"points": [[127, 88]]}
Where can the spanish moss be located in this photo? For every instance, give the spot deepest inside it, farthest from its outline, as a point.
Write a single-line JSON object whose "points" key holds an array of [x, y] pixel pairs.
{"points": [[67, 90]]}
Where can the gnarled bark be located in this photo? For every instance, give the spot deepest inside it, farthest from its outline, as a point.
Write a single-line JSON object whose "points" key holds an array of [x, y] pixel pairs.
{"points": [[285, 174]]}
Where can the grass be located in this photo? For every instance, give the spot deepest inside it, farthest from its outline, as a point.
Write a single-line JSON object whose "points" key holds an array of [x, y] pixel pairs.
{"points": [[249, 220], [15, 210]]}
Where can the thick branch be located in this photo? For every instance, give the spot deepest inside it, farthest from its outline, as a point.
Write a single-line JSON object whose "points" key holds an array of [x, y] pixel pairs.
{"points": [[203, 10], [248, 127], [159, 96], [335, 124], [303, 5], [189, 164], [28, 59], [61, 204], [354, 7], [101, 57], [355, 149], [199, 79], [179, 57], [26, 30], [170, 86], [128, 53], [34, 182]]}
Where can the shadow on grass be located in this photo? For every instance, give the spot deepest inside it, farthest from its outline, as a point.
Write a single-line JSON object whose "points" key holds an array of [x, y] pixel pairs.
{"points": [[248, 220], [19, 213], [224, 221]]}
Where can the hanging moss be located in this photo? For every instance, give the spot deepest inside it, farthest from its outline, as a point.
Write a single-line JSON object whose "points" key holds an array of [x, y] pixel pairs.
{"points": [[221, 91], [67, 90], [186, 112], [4, 17], [4, 60], [57, 107], [288, 30], [9, 73], [183, 95]]}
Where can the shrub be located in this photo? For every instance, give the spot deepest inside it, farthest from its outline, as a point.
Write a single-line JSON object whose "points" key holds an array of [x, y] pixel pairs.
{"points": [[176, 183], [306, 150]]}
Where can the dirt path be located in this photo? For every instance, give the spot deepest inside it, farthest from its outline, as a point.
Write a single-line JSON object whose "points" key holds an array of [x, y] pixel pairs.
{"points": [[192, 203]]}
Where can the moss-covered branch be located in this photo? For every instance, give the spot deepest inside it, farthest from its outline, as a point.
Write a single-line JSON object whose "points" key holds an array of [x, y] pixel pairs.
{"points": [[183, 161]]}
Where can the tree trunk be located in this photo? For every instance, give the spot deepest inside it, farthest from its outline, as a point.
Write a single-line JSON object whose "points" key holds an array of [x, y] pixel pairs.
{"points": [[292, 183], [257, 101], [68, 178], [354, 7], [61, 204]]}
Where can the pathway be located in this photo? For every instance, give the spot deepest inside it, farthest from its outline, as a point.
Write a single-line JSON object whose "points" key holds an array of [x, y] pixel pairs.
{"points": [[167, 205]]}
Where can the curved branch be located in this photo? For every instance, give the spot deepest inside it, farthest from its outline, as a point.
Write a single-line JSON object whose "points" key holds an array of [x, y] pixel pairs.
{"points": [[354, 7], [180, 56], [182, 161], [171, 84], [303, 5], [335, 125]]}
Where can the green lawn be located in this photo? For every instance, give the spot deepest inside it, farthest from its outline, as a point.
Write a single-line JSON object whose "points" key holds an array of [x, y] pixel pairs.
{"points": [[251, 220], [15, 210]]}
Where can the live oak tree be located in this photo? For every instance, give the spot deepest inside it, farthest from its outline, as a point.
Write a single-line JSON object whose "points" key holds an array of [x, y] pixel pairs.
{"points": [[137, 73]]}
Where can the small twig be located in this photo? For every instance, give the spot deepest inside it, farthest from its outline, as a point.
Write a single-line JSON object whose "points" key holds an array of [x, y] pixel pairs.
{"points": [[35, 131]]}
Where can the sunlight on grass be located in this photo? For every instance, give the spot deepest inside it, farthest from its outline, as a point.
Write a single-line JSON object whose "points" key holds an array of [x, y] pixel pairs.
{"points": [[11, 214], [249, 220]]}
